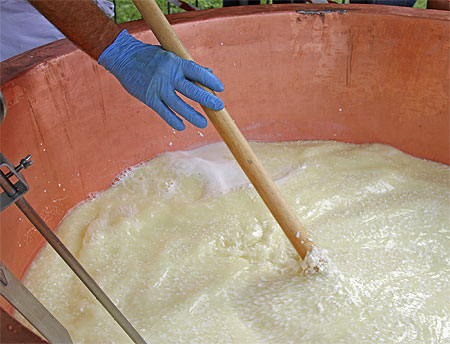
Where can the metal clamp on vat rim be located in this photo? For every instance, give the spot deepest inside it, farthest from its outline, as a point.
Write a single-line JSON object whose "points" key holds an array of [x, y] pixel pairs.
{"points": [[321, 12], [12, 192], [11, 288]]}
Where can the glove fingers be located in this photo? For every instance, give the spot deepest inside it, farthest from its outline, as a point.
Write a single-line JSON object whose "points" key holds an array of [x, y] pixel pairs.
{"points": [[185, 110], [168, 115], [203, 75], [199, 95]]}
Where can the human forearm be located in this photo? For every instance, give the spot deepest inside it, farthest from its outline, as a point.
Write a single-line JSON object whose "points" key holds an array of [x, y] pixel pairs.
{"points": [[148, 72], [82, 22]]}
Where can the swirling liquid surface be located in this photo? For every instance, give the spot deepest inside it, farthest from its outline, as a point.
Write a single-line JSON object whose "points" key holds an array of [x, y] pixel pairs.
{"points": [[187, 250]]}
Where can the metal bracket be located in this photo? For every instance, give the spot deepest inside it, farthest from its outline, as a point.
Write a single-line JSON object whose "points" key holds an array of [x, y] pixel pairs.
{"points": [[2, 276], [14, 193], [2, 107], [18, 189], [30, 307], [321, 12]]}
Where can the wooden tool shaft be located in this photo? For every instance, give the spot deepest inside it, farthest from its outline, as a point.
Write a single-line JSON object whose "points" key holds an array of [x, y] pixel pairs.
{"points": [[261, 180], [233, 137]]}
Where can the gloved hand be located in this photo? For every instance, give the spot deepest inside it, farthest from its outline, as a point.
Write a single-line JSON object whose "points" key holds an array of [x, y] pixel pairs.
{"points": [[152, 75]]}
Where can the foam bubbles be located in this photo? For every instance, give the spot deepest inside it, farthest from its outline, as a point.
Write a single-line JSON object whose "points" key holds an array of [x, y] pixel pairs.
{"points": [[185, 267], [214, 164]]}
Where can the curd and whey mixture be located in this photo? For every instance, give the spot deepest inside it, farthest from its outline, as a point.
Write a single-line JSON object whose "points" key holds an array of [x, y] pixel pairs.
{"points": [[190, 254]]}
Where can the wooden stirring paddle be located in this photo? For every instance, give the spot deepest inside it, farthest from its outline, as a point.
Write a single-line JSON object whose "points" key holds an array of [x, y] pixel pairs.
{"points": [[233, 137]]}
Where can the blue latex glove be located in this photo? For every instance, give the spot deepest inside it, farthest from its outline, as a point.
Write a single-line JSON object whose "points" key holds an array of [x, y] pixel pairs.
{"points": [[152, 75]]}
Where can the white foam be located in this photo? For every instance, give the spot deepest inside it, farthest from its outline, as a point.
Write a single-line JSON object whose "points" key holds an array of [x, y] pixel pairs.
{"points": [[214, 164], [218, 168], [221, 270], [318, 260]]}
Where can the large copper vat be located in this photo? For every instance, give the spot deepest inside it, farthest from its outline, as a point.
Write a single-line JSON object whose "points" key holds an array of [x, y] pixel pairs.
{"points": [[291, 72]]}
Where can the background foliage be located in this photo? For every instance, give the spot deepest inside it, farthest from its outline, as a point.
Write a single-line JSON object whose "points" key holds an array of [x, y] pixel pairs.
{"points": [[126, 11]]}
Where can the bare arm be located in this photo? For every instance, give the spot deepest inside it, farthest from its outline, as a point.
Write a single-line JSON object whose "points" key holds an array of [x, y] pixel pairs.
{"points": [[82, 22], [439, 4], [138, 66]]}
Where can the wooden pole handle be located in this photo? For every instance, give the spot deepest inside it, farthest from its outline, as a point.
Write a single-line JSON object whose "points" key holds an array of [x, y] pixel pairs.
{"points": [[233, 137]]}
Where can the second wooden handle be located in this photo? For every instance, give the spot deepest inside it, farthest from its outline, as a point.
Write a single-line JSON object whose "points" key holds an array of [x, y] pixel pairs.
{"points": [[233, 137]]}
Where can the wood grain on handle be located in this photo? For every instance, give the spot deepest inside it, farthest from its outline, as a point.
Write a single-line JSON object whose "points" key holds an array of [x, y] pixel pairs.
{"points": [[233, 137]]}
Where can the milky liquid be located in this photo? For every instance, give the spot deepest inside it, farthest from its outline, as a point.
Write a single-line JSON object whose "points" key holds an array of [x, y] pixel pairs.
{"points": [[190, 254]]}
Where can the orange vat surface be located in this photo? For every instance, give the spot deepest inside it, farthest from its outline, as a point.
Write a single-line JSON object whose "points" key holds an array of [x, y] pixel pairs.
{"points": [[291, 72]]}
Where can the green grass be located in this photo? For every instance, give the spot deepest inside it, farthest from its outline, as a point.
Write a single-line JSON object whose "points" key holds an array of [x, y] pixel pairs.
{"points": [[126, 11], [421, 4]]}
